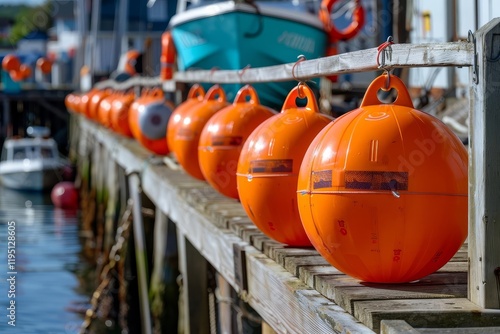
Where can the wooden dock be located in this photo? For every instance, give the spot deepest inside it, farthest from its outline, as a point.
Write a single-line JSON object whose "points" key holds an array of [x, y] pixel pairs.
{"points": [[293, 289]]}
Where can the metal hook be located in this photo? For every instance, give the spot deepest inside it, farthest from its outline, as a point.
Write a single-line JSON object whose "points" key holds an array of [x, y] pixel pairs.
{"points": [[383, 49], [300, 90], [240, 74], [212, 70], [300, 58], [387, 80]]}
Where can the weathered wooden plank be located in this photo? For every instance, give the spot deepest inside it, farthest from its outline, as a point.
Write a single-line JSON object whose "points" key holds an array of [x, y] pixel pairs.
{"points": [[426, 313], [288, 305], [484, 161], [346, 291], [396, 327]]}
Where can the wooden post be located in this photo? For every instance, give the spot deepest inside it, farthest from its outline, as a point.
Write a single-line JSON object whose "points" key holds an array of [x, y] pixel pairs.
{"points": [[194, 292], [140, 253], [484, 164]]}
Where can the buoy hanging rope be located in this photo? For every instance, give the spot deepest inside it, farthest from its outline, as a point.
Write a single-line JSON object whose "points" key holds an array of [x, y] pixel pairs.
{"points": [[358, 21]]}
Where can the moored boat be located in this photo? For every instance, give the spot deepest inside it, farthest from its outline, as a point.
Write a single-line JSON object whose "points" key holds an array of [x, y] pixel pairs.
{"points": [[31, 163], [234, 35]]}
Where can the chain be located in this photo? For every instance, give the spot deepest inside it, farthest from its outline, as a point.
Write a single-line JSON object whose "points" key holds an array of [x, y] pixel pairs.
{"points": [[107, 274]]}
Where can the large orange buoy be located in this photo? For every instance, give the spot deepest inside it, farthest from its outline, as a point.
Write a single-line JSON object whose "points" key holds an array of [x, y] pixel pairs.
{"points": [[44, 65], [119, 114], [223, 137], [148, 119], [168, 54], [196, 95], [11, 63], [269, 164], [382, 190], [187, 134]]}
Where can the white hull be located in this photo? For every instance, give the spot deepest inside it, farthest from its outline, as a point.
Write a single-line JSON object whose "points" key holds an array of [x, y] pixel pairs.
{"points": [[35, 179]]}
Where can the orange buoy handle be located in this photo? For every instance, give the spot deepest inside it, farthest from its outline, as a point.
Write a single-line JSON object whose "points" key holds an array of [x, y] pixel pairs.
{"points": [[216, 93], [196, 91], [386, 82], [358, 21], [301, 91], [244, 92], [168, 55]]}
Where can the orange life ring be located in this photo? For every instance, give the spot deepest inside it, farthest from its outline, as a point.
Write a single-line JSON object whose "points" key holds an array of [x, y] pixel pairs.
{"points": [[168, 54], [358, 20]]}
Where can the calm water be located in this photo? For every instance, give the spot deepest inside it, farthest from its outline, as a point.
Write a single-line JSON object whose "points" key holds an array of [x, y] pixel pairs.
{"points": [[48, 292]]}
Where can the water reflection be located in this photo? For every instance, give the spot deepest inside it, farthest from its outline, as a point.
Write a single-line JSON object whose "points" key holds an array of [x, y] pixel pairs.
{"points": [[48, 296]]}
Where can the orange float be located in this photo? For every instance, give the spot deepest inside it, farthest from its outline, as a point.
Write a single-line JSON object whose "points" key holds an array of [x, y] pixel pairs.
{"points": [[11, 63], [269, 163], [84, 102], [196, 95], [168, 54], [187, 135], [104, 110], [16, 75], [69, 101], [25, 71], [119, 114], [44, 65], [382, 191], [223, 137], [95, 101], [148, 119]]}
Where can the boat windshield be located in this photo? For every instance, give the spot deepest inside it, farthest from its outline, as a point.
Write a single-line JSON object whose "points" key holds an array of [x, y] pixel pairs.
{"points": [[33, 152]]}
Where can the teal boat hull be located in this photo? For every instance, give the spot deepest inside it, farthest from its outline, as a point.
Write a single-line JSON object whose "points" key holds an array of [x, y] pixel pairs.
{"points": [[241, 36]]}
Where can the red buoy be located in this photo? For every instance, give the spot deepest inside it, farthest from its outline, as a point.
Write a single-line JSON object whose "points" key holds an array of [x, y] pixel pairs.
{"points": [[64, 195]]}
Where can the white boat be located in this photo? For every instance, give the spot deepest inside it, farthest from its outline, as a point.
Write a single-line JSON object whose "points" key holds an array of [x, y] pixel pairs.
{"points": [[31, 163]]}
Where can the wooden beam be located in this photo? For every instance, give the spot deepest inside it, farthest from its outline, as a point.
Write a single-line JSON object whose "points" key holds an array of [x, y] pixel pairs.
{"points": [[402, 55], [140, 254], [484, 164]]}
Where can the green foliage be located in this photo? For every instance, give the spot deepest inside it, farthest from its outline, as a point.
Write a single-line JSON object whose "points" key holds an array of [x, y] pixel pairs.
{"points": [[31, 19]]}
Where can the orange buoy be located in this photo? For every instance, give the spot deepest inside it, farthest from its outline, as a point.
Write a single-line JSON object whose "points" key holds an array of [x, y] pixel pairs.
{"points": [[16, 75], [269, 163], [83, 106], [104, 110], [196, 95], [44, 65], [68, 101], [148, 119], [131, 59], [119, 114], [382, 191], [223, 137], [187, 135], [168, 54], [94, 102], [25, 71], [11, 63]]}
